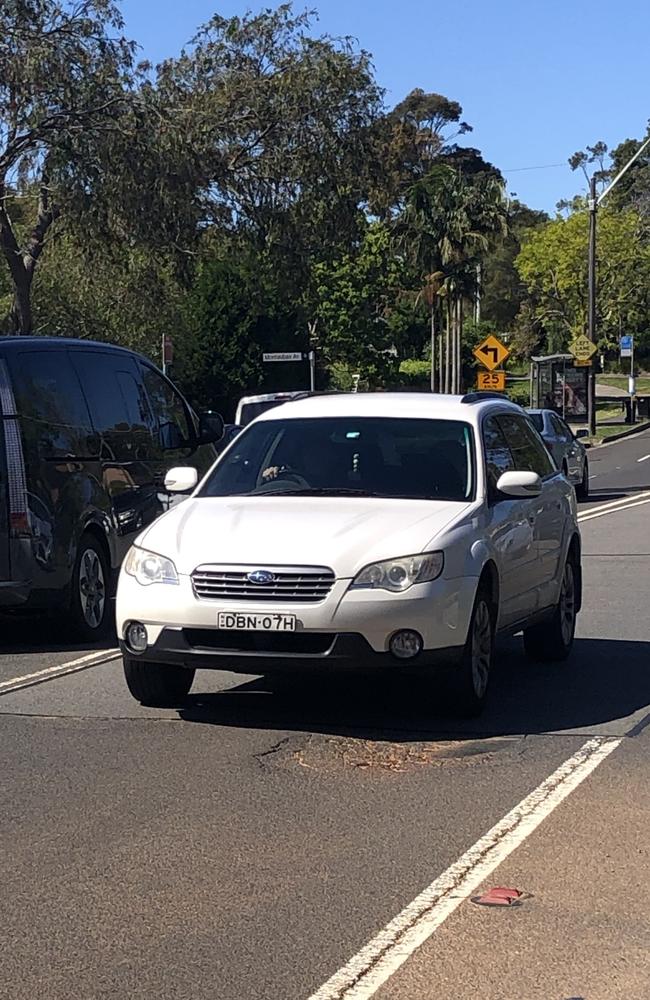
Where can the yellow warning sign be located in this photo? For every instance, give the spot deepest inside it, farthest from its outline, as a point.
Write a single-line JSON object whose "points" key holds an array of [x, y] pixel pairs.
{"points": [[582, 348], [491, 352]]}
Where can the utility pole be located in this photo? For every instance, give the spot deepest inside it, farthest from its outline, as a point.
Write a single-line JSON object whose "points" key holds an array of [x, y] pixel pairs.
{"points": [[594, 203], [591, 322]]}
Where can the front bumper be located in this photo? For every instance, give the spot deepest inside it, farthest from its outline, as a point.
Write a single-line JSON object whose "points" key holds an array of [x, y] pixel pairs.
{"points": [[348, 629], [337, 652]]}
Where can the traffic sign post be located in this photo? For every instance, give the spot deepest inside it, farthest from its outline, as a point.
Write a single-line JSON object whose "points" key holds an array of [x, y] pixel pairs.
{"points": [[167, 351], [491, 353], [494, 381]]}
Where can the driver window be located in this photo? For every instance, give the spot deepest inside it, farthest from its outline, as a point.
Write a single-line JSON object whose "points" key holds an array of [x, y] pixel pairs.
{"points": [[498, 458], [170, 417]]}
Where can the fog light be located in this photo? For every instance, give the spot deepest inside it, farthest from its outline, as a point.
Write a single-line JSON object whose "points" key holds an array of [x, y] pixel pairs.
{"points": [[136, 637], [406, 644]]}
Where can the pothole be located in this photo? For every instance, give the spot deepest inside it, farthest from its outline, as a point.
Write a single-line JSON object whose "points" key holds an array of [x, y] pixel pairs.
{"points": [[328, 753]]}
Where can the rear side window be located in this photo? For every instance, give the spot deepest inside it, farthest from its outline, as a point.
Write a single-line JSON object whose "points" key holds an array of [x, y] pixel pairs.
{"points": [[527, 448], [117, 402], [54, 418], [537, 420]]}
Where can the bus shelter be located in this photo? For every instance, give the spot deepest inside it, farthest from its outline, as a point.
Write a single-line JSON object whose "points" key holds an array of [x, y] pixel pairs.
{"points": [[557, 383]]}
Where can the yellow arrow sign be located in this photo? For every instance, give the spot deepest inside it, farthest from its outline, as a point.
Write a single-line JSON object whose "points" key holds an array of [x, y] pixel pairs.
{"points": [[491, 352], [582, 348]]}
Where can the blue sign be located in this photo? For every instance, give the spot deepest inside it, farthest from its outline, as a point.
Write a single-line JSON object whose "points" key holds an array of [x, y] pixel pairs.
{"points": [[627, 346]]}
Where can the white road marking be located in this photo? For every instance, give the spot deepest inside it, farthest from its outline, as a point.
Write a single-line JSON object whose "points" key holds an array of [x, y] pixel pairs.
{"points": [[367, 971], [619, 510], [622, 502], [59, 670], [644, 459]]}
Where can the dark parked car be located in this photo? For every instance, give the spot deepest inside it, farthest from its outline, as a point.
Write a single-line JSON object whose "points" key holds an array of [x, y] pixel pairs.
{"points": [[88, 432], [566, 448]]}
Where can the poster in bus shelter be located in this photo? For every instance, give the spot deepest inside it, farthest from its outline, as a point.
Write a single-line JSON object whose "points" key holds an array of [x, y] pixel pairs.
{"points": [[564, 389]]}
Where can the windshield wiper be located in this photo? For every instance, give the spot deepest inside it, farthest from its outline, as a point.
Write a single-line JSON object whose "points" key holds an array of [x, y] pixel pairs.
{"points": [[318, 491]]}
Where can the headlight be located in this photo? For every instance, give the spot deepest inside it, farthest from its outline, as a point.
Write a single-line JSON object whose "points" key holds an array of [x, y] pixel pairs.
{"points": [[398, 575], [148, 567]]}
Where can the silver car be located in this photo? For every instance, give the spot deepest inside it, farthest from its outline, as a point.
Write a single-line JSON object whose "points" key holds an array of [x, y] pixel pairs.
{"points": [[569, 452]]}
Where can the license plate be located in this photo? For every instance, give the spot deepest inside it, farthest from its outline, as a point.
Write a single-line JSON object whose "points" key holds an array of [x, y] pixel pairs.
{"points": [[250, 621]]}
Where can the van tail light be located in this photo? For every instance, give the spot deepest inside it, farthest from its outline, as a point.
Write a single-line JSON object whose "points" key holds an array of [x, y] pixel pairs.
{"points": [[17, 486]]}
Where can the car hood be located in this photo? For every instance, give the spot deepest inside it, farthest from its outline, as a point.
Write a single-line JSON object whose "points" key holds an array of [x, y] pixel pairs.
{"points": [[342, 533]]}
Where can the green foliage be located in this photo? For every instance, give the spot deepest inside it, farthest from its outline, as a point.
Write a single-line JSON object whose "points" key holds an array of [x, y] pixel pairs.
{"points": [[553, 265], [354, 299]]}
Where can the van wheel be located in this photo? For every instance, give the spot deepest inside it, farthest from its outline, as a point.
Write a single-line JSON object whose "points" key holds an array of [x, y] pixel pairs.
{"points": [[157, 685], [551, 641], [469, 679], [90, 604]]}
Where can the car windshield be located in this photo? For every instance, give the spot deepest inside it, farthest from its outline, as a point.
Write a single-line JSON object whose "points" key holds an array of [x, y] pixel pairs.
{"points": [[537, 420], [349, 456]]}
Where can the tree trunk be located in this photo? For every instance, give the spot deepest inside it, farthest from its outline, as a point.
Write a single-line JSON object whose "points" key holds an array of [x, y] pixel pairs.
{"points": [[441, 351], [447, 347], [433, 344], [454, 352], [21, 309], [459, 334]]}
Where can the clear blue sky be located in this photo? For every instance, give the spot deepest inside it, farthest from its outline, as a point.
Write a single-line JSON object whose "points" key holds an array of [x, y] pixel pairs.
{"points": [[537, 79]]}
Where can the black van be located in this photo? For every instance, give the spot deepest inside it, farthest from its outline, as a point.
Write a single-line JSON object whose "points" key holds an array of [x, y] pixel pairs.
{"points": [[88, 432]]}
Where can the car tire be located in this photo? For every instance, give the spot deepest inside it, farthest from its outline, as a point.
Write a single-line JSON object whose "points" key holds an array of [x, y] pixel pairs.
{"points": [[551, 641], [157, 685], [582, 489], [469, 680], [91, 609]]}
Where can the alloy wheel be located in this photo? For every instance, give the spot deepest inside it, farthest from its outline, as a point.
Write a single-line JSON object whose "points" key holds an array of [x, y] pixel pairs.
{"points": [[481, 649], [92, 588]]}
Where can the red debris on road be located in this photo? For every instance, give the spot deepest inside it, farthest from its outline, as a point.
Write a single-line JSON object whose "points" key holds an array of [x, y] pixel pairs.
{"points": [[500, 896]]}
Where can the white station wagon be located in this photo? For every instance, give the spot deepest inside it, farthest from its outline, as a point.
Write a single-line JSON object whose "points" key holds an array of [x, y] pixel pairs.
{"points": [[361, 532]]}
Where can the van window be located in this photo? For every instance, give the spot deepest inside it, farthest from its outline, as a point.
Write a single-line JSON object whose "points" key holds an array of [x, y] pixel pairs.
{"points": [[170, 417], [53, 414], [117, 403]]}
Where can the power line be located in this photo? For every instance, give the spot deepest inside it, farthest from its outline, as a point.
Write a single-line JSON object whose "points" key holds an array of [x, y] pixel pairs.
{"points": [[544, 166]]}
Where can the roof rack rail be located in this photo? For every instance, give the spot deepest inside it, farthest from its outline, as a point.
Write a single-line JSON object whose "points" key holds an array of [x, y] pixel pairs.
{"points": [[476, 397]]}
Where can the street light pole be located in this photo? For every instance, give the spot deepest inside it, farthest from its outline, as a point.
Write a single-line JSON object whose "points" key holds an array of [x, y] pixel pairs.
{"points": [[594, 202], [591, 329]]}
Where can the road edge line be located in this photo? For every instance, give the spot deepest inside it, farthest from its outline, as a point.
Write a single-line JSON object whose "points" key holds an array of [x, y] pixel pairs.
{"points": [[370, 968], [59, 670], [617, 510]]}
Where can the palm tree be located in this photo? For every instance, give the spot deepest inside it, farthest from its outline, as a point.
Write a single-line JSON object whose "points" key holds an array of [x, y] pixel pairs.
{"points": [[447, 226]]}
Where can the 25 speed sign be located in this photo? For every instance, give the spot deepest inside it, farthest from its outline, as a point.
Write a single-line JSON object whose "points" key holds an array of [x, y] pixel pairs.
{"points": [[491, 380]]}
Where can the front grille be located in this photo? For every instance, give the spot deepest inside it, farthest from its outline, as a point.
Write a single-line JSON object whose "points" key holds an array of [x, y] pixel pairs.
{"points": [[295, 585], [304, 643]]}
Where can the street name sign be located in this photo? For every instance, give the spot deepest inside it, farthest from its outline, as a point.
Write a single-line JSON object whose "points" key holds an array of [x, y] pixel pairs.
{"points": [[491, 352], [284, 356]]}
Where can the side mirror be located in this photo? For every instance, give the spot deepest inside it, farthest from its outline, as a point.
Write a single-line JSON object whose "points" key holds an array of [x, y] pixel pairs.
{"points": [[210, 427], [520, 484], [582, 432], [181, 480]]}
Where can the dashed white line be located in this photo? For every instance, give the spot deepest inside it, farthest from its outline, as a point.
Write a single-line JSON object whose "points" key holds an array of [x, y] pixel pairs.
{"points": [[58, 670], [367, 971], [644, 459]]}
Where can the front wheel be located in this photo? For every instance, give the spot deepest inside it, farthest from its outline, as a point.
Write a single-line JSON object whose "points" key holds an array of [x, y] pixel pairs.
{"points": [[582, 489], [469, 680], [552, 641], [157, 685]]}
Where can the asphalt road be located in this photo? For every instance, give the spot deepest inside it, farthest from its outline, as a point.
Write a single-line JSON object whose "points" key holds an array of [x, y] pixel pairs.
{"points": [[250, 846]]}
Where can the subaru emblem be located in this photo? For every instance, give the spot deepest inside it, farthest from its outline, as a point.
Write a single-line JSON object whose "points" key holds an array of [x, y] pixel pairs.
{"points": [[261, 577]]}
